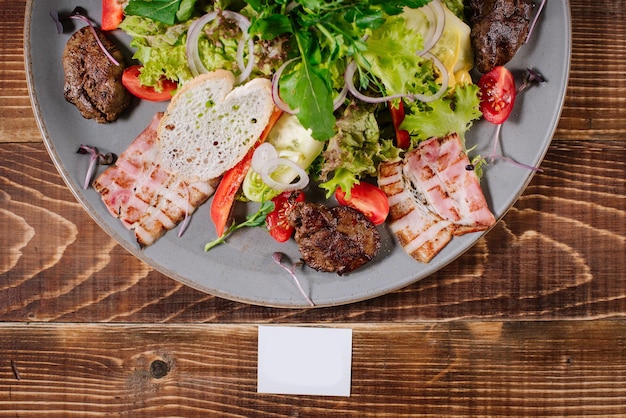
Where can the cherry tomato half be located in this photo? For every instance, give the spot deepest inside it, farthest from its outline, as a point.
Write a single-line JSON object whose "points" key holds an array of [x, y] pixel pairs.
{"points": [[130, 80], [497, 94], [278, 220], [367, 199], [112, 14]]}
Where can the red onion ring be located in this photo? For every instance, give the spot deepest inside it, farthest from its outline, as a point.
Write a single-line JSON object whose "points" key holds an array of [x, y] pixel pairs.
{"points": [[445, 79], [193, 54], [265, 161], [341, 97], [273, 164], [434, 34], [275, 93]]}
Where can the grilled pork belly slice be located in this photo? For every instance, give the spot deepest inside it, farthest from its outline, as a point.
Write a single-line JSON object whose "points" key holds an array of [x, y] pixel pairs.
{"points": [[147, 198], [433, 196], [421, 232], [437, 169]]}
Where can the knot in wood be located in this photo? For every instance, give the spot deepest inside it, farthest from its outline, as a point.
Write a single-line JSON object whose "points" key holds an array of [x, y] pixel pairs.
{"points": [[158, 369]]}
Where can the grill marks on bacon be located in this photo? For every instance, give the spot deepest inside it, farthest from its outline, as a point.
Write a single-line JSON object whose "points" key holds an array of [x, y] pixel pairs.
{"points": [[433, 196], [148, 199]]}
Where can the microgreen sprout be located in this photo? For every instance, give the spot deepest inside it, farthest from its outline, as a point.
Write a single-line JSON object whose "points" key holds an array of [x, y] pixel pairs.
{"points": [[277, 256], [255, 219], [80, 14], [96, 159], [531, 27], [530, 77]]}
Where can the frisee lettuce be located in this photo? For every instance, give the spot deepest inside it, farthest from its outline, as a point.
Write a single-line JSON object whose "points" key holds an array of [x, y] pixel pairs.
{"points": [[455, 112]]}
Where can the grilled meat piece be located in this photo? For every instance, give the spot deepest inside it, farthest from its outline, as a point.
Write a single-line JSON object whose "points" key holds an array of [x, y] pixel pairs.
{"points": [[421, 232], [338, 239], [148, 199], [92, 82], [433, 196], [499, 29]]}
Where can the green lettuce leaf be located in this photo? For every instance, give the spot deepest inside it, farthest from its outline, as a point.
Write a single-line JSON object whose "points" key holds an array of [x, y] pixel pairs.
{"points": [[453, 113]]}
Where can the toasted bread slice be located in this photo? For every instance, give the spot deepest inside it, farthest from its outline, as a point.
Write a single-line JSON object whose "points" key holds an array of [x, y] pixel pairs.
{"points": [[209, 125]]}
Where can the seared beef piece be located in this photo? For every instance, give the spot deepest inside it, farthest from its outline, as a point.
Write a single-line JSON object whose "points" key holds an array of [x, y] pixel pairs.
{"points": [[499, 29], [338, 239], [92, 82]]}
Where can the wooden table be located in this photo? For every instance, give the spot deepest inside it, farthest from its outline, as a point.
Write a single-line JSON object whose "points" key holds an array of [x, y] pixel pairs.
{"points": [[529, 322]]}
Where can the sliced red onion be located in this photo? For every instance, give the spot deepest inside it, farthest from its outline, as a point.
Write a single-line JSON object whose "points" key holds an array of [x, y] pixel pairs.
{"points": [[351, 69], [349, 80], [195, 30], [273, 164], [534, 21], [262, 155], [275, 85], [265, 161], [341, 97], [437, 21], [76, 14]]}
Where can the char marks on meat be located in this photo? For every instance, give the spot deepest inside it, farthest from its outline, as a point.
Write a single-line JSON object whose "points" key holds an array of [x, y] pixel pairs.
{"points": [[92, 82], [143, 195], [433, 196], [338, 239], [499, 29]]}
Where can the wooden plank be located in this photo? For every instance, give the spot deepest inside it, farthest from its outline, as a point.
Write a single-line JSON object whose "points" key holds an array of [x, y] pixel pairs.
{"points": [[433, 369], [559, 253]]}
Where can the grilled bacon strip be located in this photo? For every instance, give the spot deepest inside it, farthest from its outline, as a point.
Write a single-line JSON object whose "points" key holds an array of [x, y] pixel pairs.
{"points": [[148, 199], [433, 196]]}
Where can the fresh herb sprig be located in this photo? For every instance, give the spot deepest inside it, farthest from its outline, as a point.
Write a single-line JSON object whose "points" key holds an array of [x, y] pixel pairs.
{"points": [[255, 219]]}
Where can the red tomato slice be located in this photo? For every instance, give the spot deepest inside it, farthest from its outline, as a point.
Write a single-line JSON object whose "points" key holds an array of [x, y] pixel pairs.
{"points": [[130, 80], [277, 220], [497, 94], [367, 199], [112, 14]]}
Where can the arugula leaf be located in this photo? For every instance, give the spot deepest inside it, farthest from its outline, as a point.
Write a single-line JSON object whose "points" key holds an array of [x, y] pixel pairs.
{"points": [[308, 89], [160, 10]]}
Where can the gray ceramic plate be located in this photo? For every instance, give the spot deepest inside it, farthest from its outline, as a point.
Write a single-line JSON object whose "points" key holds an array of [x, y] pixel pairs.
{"points": [[243, 269]]}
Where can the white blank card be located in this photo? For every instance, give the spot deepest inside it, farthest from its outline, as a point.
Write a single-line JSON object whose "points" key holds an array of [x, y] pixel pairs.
{"points": [[304, 360]]}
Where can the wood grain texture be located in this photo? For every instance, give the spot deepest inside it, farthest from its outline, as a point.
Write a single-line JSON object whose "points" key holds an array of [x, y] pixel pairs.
{"points": [[459, 369]]}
